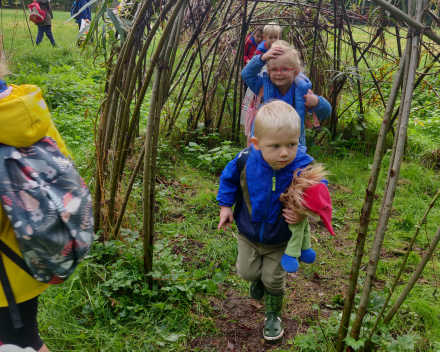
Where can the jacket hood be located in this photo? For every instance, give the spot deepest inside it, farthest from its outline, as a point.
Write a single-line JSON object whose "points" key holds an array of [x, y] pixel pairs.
{"points": [[25, 118]]}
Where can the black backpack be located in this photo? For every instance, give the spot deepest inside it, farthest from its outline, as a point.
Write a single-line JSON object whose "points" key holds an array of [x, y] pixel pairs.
{"points": [[241, 163], [74, 9]]}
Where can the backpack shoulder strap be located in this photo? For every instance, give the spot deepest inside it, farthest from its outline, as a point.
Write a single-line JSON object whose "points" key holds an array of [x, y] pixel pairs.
{"points": [[6, 285], [19, 261], [242, 159], [241, 164]]}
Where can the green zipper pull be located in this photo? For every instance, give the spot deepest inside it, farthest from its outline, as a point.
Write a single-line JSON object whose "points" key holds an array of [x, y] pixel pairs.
{"points": [[273, 183]]}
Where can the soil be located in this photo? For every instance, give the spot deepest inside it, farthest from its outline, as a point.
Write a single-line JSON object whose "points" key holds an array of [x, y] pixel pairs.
{"points": [[240, 319]]}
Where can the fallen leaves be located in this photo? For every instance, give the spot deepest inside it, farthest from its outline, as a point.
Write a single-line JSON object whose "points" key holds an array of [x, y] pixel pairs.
{"points": [[245, 327]]}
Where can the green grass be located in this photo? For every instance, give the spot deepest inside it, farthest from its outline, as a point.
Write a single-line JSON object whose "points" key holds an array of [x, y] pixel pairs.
{"points": [[17, 39]]}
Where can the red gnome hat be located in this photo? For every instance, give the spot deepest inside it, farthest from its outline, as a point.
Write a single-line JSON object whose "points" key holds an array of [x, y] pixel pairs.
{"points": [[317, 199]]}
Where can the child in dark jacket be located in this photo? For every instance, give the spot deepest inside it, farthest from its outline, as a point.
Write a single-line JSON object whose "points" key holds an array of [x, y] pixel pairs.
{"points": [[263, 235], [252, 42], [46, 25], [271, 33], [284, 80], [85, 15]]}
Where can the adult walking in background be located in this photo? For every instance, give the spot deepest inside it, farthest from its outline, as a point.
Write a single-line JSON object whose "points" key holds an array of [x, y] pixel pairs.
{"points": [[46, 25], [85, 14]]}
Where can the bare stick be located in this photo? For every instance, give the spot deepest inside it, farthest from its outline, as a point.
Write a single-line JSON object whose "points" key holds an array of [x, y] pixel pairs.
{"points": [[389, 196], [414, 278], [402, 267], [27, 23], [368, 204], [408, 20]]}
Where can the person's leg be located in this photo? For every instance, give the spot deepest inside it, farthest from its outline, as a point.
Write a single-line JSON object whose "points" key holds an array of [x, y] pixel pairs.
{"points": [[43, 349], [248, 261], [272, 273], [48, 31], [26, 336], [39, 35], [249, 266], [274, 279]]}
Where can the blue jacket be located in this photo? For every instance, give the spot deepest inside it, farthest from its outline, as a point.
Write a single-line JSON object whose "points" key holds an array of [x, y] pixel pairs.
{"points": [[86, 14], [265, 224], [261, 48], [252, 77]]}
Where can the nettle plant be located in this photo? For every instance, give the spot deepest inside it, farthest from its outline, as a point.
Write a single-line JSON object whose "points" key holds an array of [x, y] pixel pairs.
{"points": [[214, 159]]}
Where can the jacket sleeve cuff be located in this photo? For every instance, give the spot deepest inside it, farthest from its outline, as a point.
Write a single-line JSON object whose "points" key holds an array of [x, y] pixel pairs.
{"points": [[320, 109], [225, 205]]}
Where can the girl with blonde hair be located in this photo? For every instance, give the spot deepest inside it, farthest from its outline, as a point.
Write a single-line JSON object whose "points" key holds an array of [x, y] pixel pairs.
{"points": [[285, 81]]}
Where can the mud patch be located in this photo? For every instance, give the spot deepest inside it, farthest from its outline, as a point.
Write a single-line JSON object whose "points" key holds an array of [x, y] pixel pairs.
{"points": [[240, 319]]}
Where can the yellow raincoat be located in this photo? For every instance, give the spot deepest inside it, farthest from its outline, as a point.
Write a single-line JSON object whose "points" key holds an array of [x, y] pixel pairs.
{"points": [[24, 120]]}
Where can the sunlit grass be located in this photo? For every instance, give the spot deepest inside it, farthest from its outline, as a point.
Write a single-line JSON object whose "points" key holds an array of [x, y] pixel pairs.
{"points": [[17, 40]]}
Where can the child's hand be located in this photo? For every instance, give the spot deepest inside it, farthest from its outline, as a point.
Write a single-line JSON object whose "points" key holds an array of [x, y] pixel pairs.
{"points": [[272, 53], [311, 100], [226, 218], [292, 216]]}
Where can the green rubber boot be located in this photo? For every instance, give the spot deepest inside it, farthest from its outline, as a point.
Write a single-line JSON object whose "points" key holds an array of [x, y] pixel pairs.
{"points": [[273, 326], [256, 290]]}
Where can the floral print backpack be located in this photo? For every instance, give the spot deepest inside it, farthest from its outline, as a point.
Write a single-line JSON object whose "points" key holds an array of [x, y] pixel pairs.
{"points": [[50, 209]]}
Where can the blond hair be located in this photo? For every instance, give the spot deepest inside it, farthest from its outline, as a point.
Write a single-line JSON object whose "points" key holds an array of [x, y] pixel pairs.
{"points": [[274, 116], [293, 197], [272, 28], [288, 50]]}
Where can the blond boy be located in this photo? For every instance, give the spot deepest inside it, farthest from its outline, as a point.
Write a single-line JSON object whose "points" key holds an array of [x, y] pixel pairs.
{"points": [[271, 33], [254, 181]]}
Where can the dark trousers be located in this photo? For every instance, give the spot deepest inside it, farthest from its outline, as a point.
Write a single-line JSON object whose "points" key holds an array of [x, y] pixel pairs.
{"points": [[48, 31], [26, 336]]}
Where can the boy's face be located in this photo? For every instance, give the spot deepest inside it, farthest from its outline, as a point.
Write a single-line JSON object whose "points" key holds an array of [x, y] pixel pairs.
{"points": [[282, 81], [258, 35], [278, 148], [271, 38]]}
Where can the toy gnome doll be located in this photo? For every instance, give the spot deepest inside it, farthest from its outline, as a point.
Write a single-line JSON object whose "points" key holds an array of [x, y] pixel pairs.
{"points": [[308, 194]]}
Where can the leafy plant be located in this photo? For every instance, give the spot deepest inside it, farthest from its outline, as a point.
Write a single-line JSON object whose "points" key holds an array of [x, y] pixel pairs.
{"points": [[214, 159], [321, 336]]}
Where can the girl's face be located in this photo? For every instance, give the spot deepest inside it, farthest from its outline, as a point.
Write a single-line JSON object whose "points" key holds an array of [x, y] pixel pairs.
{"points": [[282, 81], [258, 35]]}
